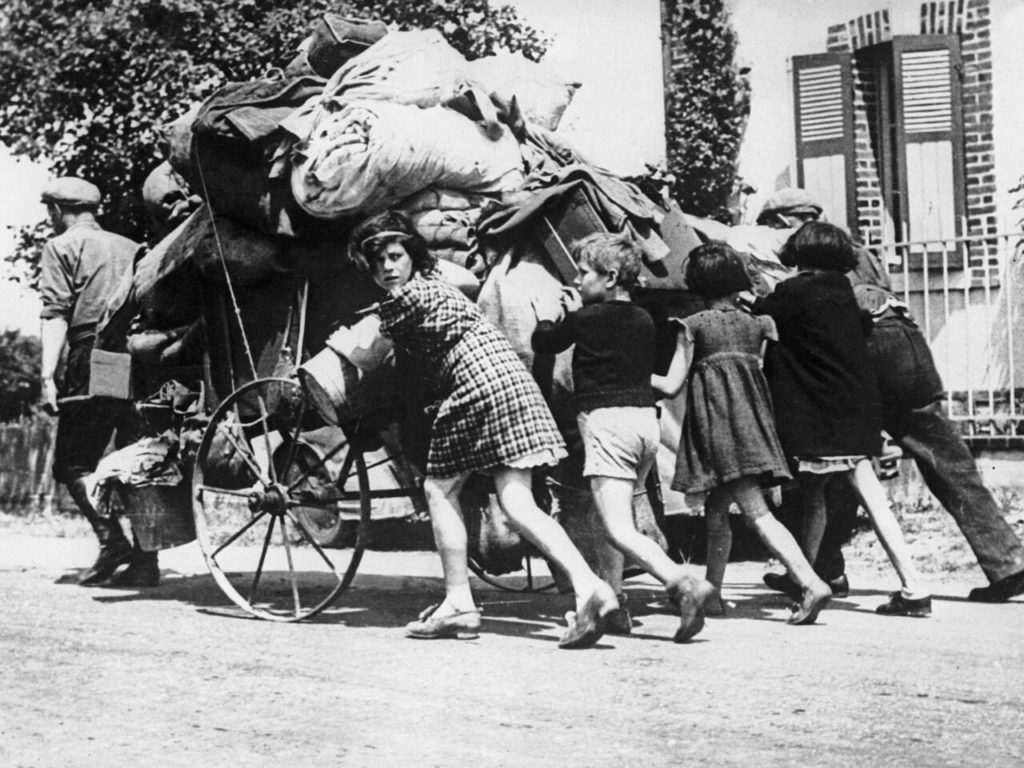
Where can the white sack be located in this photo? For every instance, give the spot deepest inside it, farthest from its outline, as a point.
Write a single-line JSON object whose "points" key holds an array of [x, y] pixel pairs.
{"points": [[415, 67], [420, 67], [367, 156], [542, 96]]}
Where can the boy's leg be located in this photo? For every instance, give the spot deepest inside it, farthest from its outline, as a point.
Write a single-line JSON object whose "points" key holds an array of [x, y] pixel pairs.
{"points": [[614, 499], [515, 495], [610, 563]]}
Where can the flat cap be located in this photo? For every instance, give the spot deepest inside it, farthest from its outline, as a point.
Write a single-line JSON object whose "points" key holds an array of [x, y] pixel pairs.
{"points": [[789, 200], [70, 190]]}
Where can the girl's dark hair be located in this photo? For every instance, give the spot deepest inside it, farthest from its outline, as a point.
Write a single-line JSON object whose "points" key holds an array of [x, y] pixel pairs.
{"points": [[820, 245], [369, 239], [715, 269]]}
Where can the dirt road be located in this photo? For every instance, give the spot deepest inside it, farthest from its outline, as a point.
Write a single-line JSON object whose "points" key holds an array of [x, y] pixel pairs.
{"points": [[175, 677]]}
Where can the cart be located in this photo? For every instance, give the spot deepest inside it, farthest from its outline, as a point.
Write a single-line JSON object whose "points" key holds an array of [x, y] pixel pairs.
{"points": [[282, 497]]}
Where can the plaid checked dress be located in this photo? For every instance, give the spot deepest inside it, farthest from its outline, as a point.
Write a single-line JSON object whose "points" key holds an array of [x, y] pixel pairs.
{"points": [[492, 413]]}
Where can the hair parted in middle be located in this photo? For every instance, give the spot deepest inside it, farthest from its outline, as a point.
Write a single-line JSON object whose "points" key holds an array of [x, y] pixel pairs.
{"points": [[604, 251], [819, 245], [369, 239], [716, 269]]}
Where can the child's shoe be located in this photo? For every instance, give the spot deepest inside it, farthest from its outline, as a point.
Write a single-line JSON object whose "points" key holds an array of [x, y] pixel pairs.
{"points": [[898, 605], [619, 621], [689, 594], [714, 605], [813, 599], [461, 625]]}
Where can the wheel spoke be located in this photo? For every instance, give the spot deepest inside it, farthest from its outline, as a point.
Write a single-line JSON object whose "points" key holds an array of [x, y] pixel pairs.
{"points": [[243, 451], [293, 440], [226, 491], [265, 424], [309, 537], [297, 601], [263, 557], [318, 465], [230, 522], [231, 539]]}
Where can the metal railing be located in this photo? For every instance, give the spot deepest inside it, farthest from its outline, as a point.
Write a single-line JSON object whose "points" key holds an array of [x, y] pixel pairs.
{"points": [[967, 294]]}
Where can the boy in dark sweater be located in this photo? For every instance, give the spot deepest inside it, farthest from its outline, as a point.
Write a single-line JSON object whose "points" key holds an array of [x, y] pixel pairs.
{"points": [[611, 366]]}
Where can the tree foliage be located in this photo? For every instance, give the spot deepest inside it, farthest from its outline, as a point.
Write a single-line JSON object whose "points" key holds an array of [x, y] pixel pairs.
{"points": [[707, 103], [19, 374], [86, 84]]}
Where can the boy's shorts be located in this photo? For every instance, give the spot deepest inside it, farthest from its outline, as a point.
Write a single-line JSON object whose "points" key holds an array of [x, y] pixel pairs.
{"points": [[619, 442]]}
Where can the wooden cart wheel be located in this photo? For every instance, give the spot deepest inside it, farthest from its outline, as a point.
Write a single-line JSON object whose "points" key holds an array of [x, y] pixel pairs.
{"points": [[255, 487], [519, 581]]}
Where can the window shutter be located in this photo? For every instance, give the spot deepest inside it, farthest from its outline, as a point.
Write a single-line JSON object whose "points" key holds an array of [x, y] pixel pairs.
{"points": [[929, 135], [823, 106]]}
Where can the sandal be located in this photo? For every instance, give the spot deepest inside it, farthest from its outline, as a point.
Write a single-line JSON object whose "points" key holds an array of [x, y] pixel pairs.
{"points": [[461, 625]]}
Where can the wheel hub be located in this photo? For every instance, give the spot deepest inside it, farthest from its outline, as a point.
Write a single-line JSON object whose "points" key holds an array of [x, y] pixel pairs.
{"points": [[273, 499]]}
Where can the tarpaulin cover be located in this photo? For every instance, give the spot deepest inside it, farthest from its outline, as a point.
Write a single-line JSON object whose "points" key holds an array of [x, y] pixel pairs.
{"points": [[251, 111], [367, 156]]}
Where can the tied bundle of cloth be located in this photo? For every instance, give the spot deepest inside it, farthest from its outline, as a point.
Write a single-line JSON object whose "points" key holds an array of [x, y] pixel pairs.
{"points": [[366, 156]]}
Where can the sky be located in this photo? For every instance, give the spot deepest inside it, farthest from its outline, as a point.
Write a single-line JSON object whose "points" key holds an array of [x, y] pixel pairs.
{"points": [[616, 117]]}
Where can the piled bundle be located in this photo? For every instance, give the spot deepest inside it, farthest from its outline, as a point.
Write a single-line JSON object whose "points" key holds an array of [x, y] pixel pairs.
{"points": [[365, 120]]}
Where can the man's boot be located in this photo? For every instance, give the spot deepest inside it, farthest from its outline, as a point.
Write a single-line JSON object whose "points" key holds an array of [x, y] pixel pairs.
{"points": [[142, 571], [114, 547]]}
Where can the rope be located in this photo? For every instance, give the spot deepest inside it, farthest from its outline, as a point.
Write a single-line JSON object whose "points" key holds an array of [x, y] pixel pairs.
{"points": [[224, 266]]}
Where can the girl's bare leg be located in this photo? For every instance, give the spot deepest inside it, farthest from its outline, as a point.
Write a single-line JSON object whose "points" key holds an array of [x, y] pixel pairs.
{"points": [[775, 535], [451, 540], [780, 541], [887, 528], [815, 514], [719, 535]]}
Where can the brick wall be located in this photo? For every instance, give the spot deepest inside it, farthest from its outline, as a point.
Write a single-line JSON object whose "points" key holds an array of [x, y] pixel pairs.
{"points": [[979, 160], [971, 21]]}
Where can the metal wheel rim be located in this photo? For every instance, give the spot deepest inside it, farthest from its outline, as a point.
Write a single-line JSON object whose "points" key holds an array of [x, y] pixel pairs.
{"points": [[211, 550]]}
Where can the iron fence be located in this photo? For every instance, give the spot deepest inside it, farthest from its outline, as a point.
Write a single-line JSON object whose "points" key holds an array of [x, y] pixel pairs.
{"points": [[967, 294]]}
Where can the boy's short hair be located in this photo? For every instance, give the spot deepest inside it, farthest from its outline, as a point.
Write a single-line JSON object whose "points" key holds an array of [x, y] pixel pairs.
{"points": [[603, 252], [715, 269], [820, 245]]}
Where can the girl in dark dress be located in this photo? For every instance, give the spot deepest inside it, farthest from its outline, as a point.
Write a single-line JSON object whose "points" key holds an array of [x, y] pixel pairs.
{"points": [[729, 448], [492, 418], [825, 394]]}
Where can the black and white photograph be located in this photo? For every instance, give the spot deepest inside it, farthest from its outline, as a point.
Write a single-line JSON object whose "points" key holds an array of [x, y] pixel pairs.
{"points": [[511, 383]]}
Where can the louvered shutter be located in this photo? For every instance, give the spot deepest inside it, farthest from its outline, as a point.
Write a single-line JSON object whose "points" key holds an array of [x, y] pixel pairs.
{"points": [[823, 106], [929, 135]]}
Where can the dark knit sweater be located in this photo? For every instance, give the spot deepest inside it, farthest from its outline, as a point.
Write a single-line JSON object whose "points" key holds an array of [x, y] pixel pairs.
{"points": [[614, 355]]}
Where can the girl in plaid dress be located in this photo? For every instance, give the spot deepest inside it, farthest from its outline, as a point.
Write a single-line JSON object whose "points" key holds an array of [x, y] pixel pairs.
{"points": [[492, 418]]}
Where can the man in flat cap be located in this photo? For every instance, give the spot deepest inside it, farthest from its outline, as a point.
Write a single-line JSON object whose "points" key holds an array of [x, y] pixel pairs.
{"points": [[80, 268], [792, 207]]}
